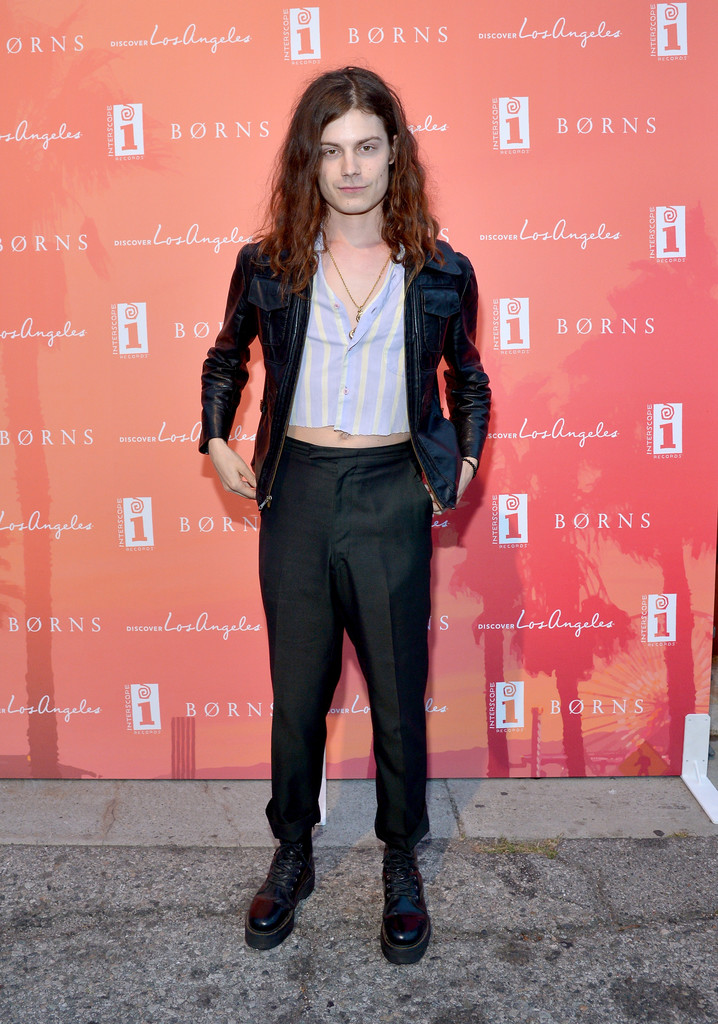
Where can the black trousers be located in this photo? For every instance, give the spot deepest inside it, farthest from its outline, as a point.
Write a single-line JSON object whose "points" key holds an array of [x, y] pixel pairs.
{"points": [[346, 545]]}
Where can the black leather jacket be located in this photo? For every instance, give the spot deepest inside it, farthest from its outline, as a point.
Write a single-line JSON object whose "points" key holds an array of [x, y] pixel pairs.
{"points": [[439, 320]]}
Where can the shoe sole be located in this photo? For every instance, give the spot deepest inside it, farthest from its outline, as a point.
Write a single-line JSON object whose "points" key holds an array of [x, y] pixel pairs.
{"points": [[269, 940], [404, 954]]}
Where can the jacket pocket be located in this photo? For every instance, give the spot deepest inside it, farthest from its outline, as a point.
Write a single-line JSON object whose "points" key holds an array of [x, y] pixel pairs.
{"points": [[438, 305], [272, 307]]}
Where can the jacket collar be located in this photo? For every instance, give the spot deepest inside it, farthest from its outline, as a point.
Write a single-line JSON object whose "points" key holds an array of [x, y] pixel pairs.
{"points": [[450, 264]]}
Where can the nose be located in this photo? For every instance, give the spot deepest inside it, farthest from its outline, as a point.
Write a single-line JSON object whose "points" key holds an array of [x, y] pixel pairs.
{"points": [[349, 164]]}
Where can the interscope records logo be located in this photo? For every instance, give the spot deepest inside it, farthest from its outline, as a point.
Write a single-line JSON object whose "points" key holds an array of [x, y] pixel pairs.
{"points": [[667, 233], [509, 520], [511, 124], [511, 325], [302, 40], [129, 329], [664, 430], [142, 707], [669, 31], [125, 135], [658, 618], [506, 706], [134, 523]]}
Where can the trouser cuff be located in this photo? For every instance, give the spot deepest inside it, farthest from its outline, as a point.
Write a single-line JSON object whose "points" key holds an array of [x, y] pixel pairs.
{"points": [[399, 842], [291, 831]]}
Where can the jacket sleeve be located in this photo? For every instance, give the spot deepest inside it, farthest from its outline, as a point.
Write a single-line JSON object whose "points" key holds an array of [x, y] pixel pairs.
{"points": [[468, 394], [224, 372]]}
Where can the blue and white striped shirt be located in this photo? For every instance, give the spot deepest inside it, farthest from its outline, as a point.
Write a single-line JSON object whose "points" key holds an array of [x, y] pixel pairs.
{"points": [[356, 385]]}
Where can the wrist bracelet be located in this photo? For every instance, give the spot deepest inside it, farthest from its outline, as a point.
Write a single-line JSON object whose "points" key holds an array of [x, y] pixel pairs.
{"points": [[474, 468]]}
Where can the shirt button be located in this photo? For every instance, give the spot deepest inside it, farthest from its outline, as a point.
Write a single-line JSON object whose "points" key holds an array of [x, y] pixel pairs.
{"points": [[336, 305], [346, 391]]}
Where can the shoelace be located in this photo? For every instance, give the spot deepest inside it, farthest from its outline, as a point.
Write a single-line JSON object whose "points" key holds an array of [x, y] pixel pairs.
{"points": [[400, 879], [288, 861]]}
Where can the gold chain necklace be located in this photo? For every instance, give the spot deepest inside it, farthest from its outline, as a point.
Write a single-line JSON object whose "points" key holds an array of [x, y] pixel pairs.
{"points": [[360, 309]]}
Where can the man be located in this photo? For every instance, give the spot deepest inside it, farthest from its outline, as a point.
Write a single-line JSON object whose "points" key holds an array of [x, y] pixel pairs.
{"points": [[354, 302]]}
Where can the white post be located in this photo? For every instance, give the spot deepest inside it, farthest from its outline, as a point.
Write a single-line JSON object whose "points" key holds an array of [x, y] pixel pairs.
{"points": [[696, 738], [323, 792]]}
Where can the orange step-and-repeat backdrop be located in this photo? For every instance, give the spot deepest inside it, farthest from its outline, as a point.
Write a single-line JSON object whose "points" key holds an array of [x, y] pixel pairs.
{"points": [[572, 159]]}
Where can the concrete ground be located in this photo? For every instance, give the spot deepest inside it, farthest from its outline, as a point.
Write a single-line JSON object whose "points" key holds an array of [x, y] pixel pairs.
{"points": [[553, 901]]}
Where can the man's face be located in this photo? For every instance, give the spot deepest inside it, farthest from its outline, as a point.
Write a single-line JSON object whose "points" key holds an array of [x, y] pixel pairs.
{"points": [[354, 169]]}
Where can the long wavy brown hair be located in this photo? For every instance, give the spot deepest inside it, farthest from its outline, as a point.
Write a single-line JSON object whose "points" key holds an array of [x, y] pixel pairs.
{"points": [[296, 208]]}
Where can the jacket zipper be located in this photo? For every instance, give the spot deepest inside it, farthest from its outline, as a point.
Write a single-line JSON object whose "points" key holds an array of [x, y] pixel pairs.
{"points": [[267, 503], [417, 377], [432, 495]]}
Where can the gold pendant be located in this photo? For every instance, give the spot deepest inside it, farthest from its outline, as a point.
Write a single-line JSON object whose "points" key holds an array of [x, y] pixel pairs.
{"points": [[353, 330]]}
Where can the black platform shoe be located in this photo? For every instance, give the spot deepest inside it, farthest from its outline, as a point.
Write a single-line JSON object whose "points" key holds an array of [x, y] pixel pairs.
{"points": [[270, 917], [406, 927]]}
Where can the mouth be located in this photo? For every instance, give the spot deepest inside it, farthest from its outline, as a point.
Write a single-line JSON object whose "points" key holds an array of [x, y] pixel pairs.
{"points": [[351, 189]]}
